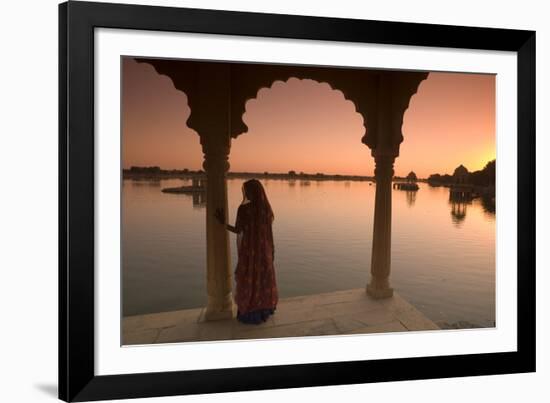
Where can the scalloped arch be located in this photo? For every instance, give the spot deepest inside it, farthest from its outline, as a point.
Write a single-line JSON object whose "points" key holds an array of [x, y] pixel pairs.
{"points": [[331, 87], [367, 89], [172, 80]]}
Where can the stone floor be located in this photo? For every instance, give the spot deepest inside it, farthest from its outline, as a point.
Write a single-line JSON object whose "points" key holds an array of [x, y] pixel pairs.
{"points": [[335, 313]]}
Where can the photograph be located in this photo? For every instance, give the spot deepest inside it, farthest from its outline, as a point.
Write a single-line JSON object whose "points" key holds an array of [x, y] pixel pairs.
{"points": [[263, 201], [258, 200]]}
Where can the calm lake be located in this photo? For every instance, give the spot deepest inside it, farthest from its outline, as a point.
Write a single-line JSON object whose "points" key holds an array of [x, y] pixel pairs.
{"points": [[443, 255]]}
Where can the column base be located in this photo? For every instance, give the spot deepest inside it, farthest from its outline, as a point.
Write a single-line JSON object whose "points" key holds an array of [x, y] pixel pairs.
{"points": [[216, 310], [379, 293]]}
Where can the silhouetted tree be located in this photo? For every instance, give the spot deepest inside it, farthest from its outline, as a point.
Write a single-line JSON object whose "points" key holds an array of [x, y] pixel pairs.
{"points": [[149, 170], [486, 176]]}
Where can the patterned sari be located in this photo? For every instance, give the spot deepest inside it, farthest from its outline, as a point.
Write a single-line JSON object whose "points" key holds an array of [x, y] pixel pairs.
{"points": [[256, 292]]}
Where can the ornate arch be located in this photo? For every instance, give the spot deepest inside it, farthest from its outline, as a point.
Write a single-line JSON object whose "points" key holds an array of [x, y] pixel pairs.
{"points": [[249, 79], [378, 95]]}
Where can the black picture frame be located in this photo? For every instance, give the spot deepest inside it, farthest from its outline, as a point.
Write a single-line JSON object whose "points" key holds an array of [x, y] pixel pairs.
{"points": [[77, 379]]}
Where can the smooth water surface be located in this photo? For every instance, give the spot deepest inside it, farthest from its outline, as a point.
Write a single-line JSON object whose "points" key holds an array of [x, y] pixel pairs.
{"points": [[443, 254]]}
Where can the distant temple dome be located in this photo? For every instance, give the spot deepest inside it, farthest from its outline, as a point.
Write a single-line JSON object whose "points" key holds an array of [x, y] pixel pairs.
{"points": [[409, 184], [411, 177], [460, 174], [461, 170]]}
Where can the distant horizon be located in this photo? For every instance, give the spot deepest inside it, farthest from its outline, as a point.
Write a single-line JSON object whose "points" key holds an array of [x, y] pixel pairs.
{"points": [[299, 172], [313, 128]]}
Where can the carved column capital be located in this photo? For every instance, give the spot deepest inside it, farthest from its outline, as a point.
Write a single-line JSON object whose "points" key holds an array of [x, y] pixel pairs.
{"points": [[216, 152], [384, 166], [216, 161]]}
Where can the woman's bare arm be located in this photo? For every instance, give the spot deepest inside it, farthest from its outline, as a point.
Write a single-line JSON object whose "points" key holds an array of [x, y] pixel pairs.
{"points": [[231, 228], [220, 215]]}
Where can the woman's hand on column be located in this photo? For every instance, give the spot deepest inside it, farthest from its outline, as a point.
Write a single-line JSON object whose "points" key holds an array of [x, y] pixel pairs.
{"points": [[220, 215]]}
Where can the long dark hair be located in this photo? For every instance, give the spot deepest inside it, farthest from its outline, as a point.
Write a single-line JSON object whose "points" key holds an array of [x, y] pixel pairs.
{"points": [[260, 221], [254, 191]]}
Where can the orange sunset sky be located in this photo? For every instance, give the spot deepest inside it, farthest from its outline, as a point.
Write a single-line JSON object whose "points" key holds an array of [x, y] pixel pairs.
{"points": [[304, 125]]}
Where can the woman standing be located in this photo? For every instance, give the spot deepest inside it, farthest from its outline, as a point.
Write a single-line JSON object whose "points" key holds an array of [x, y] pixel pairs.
{"points": [[256, 292]]}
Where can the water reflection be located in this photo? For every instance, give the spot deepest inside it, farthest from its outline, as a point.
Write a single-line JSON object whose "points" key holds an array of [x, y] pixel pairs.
{"points": [[488, 203], [460, 200], [199, 200], [145, 182], [323, 242], [458, 211], [411, 197]]}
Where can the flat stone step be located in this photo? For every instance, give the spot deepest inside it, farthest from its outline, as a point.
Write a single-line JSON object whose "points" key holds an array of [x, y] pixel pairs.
{"points": [[333, 313]]}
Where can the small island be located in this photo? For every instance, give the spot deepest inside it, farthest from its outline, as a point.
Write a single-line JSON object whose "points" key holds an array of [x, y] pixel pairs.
{"points": [[198, 186], [409, 184]]}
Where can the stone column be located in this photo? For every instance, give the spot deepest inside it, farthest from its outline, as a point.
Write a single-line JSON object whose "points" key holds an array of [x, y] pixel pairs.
{"points": [[391, 92], [218, 260], [379, 286], [211, 113]]}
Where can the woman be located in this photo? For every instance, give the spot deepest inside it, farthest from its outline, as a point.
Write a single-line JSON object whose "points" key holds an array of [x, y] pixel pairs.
{"points": [[256, 293]]}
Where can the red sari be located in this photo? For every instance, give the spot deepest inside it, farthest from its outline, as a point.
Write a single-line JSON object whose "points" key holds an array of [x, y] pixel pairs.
{"points": [[256, 292]]}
